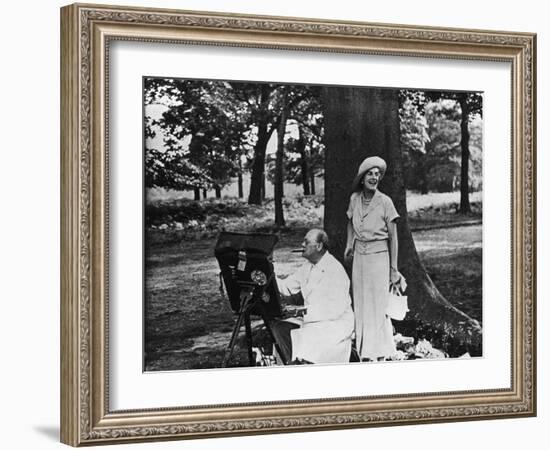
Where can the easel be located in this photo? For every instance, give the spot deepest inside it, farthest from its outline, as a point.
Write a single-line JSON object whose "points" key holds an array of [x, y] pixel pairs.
{"points": [[251, 296]]}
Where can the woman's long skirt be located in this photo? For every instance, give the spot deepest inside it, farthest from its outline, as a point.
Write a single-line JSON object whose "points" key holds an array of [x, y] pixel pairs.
{"points": [[373, 328]]}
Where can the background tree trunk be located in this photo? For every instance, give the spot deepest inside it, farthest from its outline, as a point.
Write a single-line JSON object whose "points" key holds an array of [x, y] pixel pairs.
{"points": [[255, 196], [278, 191], [204, 193], [258, 165], [312, 182], [465, 155], [365, 122], [197, 193], [301, 147], [218, 191], [240, 181], [423, 172]]}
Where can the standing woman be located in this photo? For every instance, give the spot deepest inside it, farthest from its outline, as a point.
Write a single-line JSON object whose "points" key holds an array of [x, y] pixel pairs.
{"points": [[372, 244]]}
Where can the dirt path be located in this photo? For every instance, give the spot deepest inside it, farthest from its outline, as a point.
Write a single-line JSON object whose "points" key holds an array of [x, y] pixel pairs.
{"points": [[448, 239]]}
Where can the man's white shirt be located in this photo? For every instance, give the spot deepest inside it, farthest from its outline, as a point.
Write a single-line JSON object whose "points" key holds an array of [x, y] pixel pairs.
{"points": [[327, 329]]}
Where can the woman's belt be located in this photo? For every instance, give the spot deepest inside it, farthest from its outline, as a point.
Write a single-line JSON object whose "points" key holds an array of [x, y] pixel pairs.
{"points": [[368, 247]]}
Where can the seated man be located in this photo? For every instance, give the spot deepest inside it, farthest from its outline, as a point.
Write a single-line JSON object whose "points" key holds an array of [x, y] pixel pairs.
{"points": [[326, 331]]}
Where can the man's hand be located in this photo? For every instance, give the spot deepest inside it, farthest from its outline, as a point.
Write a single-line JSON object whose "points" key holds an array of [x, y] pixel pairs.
{"points": [[294, 311]]}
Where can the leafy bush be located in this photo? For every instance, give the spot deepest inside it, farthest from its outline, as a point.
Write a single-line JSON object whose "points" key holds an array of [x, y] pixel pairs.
{"points": [[184, 211]]}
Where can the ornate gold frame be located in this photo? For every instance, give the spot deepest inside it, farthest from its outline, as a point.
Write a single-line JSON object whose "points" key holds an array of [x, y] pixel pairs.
{"points": [[85, 34]]}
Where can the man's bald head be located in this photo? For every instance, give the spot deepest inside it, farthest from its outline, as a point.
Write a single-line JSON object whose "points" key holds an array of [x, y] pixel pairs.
{"points": [[315, 245], [320, 237]]}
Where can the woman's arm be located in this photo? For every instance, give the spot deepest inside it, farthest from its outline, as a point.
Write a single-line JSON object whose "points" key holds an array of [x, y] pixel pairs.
{"points": [[348, 253], [394, 250]]}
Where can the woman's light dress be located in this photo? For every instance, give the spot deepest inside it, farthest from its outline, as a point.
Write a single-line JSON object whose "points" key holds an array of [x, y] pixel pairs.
{"points": [[371, 273]]}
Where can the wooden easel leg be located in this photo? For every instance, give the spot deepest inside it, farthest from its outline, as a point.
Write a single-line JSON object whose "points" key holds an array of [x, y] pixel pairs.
{"points": [[229, 349], [248, 329], [279, 351]]}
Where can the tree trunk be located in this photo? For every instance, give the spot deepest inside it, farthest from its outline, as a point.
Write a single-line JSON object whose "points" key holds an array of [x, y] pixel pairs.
{"points": [[264, 133], [421, 172], [365, 122], [240, 183], [195, 150], [278, 185], [258, 165], [263, 191], [465, 155], [301, 147], [312, 182], [218, 191], [204, 193]]}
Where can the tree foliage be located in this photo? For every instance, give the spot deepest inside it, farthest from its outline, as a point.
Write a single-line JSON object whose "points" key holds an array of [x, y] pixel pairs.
{"points": [[209, 132], [205, 134], [431, 136], [306, 150], [304, 147]]}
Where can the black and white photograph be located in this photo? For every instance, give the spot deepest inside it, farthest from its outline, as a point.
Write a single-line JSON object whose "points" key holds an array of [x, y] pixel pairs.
{"points": [[295, 224]]}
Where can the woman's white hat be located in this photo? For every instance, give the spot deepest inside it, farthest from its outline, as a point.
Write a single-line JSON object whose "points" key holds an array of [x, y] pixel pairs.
{"points": [[366, 165]]}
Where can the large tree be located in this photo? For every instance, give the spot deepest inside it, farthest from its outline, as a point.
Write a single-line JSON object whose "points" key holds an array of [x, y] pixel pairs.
{"points": [[279, 192], [361, 122], [265, 106], [465, 153], [263, 119], [414, 139], [307, 160], [430, 139], [471, 104], [204, 128]]}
